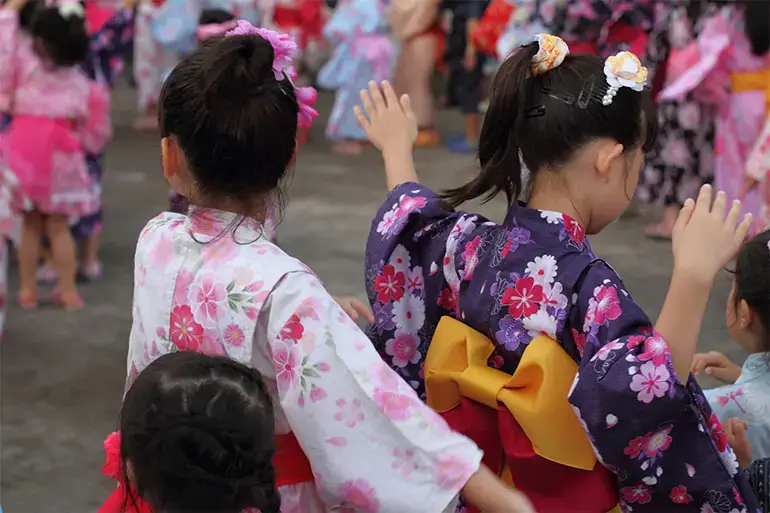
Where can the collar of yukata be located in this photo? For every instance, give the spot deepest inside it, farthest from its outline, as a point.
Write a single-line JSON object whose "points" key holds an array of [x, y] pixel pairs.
{"points": [[211, 222], [571, 225]]}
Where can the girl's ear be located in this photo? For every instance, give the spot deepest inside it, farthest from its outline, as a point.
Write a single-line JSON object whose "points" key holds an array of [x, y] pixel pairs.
{"points": [[744, 315], [608, 153]]}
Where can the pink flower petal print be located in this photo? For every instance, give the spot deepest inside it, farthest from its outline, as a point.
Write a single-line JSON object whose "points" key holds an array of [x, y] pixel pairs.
{"points": [[208, 297], [359, 496], [394, 405], [287, 362], [452, 472], [651, 382], [337, 441]]}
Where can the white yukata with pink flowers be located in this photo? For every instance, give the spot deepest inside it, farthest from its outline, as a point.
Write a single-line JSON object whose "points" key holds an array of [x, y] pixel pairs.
{"points": [[372, 444]]}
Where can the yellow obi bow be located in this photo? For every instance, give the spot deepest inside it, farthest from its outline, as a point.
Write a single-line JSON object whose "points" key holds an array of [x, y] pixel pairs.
{"points": [[742, 82], [536, 394]]}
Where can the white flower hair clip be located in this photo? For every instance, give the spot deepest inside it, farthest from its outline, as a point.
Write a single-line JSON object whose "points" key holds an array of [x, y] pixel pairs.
{"points": [[70, 8], [552, 50], [623, 70]]}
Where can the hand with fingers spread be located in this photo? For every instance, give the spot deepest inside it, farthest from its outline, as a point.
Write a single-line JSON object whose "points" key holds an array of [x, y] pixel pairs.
{"points": [[391, 126], [716, 365], [704, 239]]}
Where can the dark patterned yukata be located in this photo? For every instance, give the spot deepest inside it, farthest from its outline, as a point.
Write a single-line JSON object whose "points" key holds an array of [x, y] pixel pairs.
{"points": [[536, 275]]}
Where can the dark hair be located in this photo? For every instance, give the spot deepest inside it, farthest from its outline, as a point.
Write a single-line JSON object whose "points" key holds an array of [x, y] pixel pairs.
{"points": [[544, 119], [197, 433], [65, 39], [234, 121], [215, 16], [756, 18], [752, 280], [27, 14]]}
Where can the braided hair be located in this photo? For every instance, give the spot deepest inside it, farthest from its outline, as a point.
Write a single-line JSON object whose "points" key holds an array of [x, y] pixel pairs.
{"points": [[197, 435]]}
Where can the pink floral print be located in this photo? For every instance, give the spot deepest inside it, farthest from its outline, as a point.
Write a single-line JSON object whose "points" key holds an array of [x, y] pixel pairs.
{"points": [[328, 384]]}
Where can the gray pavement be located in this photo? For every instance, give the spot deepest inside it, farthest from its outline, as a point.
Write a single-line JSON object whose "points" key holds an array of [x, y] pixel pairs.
{"points": [[62, 373]]}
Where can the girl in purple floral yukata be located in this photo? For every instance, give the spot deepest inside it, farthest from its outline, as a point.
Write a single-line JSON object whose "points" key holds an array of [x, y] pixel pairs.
{"points": [[580, 124]]}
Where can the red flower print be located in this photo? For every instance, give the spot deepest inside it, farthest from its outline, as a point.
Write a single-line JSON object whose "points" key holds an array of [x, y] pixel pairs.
{"points": [[636, 446], [605, 303], [657, 442], [293, 329], [524, 298], [497, 361], [389, 285], [717, 433], [635, 341], [446, 299], [636, 494], [580, 341], [679, 495], [234, 335], [186, 334], [574, 230]]}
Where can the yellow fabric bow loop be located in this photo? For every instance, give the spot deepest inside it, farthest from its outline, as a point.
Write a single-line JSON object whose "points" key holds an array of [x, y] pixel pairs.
{"points": [[536, 394]]}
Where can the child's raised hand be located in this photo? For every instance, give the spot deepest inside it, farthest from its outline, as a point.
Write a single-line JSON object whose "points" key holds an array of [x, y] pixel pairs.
{"points": [[735, 430], [388, 121], [355, 308], [704, 239], [716, 365]]}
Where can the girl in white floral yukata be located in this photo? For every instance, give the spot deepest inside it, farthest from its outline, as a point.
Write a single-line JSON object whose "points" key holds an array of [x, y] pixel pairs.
{"points": [[351, 435], [580, 124]]}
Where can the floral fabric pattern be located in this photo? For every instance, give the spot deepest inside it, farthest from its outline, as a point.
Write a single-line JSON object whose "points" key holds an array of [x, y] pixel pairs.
{"points": [[240, 295], [536, 275]]}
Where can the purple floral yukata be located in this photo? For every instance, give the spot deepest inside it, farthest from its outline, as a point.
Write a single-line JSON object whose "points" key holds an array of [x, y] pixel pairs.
{"points": [[536, 275]]}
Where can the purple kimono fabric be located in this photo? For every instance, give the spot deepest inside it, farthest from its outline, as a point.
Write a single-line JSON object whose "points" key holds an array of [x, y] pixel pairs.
{"points": [[536, 275]]}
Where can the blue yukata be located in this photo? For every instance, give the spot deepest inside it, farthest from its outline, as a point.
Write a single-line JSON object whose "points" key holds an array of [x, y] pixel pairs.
{"points": [[749, 400], [362, 52], [104, 64], [533, 275]]}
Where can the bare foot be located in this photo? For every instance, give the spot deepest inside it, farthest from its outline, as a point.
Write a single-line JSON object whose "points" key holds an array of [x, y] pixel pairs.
{"points": [[348, 148]]}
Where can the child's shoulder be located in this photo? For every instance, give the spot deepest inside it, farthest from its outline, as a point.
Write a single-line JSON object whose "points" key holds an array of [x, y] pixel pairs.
{"points": [[165, 221]]}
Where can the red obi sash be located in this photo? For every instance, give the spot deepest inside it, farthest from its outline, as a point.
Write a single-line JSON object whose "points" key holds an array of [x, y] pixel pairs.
{"points": [[524, 424], [619, 33], [491, 26], [291, 467]]}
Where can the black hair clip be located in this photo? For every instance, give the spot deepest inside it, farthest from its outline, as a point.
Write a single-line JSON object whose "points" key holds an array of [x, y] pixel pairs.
{"points": [[581, 100], [535, 112]]}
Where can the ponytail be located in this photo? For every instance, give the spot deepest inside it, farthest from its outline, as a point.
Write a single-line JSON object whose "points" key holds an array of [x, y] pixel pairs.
{"points": [[501, 169]]}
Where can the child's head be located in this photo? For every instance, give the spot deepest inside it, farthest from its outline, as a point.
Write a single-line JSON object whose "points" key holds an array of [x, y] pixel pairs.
{"points": [[229, 124], [747, 313], [578, 137], [197, 435], [214, 23], [60, 33]]}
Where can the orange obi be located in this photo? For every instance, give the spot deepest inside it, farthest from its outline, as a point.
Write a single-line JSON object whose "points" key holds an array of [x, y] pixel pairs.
{"points": [[745, 81], [523, 422]]}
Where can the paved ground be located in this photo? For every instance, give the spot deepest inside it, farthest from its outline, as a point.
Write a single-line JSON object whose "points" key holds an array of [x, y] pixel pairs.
{"points": [[62, 374]]}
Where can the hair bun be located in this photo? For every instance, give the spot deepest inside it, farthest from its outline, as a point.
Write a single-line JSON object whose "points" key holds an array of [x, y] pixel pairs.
{"points": [[237, 68]]}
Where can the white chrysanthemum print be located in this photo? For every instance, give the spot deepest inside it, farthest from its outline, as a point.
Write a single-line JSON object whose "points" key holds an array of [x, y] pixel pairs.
{"points": [[409, 313], [542, 269]]}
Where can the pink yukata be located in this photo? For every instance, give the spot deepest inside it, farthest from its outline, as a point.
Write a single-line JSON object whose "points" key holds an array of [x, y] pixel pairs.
{"points": [[757, 168], [372, 444], [57, 115], [716, 68]]}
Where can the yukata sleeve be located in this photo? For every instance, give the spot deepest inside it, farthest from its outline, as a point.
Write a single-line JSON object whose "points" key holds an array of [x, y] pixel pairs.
{"points": [[9, 33], [342, 402], [411, 258], [643, 421], [758, 475], [95, 130]]}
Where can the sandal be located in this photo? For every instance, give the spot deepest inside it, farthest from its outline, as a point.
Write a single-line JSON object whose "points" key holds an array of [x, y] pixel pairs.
{"points": [[74, 304], [427, 138], [27, 300]]}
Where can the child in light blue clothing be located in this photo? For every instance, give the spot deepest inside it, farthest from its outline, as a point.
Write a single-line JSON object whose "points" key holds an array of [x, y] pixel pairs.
{"points": [[747, 394], [363, 51]]}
